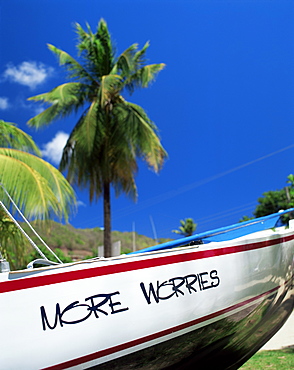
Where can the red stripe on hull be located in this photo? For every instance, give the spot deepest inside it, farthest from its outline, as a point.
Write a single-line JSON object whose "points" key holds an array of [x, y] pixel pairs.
{"points": [[62, 277]]}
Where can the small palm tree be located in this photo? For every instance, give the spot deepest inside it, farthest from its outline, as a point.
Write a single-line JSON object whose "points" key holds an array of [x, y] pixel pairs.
{"points": [[111, 133], [187, 228]]}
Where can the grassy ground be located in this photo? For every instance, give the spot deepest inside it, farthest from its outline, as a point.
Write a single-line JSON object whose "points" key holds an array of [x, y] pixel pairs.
{"points": [[273, 360]]}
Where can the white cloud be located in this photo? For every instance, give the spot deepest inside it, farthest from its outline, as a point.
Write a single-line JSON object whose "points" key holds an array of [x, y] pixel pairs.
{"points": [[30, 74], [81, 204], [4, 103], [53, 150]]}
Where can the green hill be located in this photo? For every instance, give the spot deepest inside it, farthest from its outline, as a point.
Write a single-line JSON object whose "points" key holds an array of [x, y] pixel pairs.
{"points": [[79, 244]]}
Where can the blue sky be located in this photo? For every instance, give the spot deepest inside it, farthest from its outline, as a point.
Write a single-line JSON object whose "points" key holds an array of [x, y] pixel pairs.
{"points": [[223, 104]]}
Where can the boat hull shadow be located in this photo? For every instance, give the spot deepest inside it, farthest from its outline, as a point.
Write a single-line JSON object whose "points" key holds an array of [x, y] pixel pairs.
{"points": [[225, 344]]}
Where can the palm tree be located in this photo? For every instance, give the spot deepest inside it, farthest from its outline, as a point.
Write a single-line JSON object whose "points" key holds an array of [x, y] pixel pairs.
{"points": [[38, 188], [111, 133], [187, 228]]}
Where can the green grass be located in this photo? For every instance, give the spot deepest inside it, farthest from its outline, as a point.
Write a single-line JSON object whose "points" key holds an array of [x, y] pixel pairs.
{"points": [[273, 360]]}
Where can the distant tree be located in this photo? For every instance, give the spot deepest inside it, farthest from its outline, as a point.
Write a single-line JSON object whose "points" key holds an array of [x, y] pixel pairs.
{"points": [[187, 227], [275, 200], [246, 218], [271, 202], [290, 190], [111, 133]]}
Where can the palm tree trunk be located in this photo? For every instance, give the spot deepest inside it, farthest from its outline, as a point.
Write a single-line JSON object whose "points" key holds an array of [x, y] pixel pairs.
{"points": [[107, 220]]}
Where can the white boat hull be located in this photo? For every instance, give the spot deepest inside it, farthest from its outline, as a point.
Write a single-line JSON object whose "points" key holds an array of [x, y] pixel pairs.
{"points": [[210, 304]]}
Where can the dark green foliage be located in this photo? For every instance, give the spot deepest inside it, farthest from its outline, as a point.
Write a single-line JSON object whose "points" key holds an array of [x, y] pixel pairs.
{"points": [[246, 218], [274, 201], [271, 202]]}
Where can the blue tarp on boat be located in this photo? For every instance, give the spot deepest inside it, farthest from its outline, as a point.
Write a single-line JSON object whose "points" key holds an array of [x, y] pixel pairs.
{"points": [[224, 233]]}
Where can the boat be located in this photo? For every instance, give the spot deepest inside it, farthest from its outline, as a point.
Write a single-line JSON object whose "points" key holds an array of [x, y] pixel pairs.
{"points": [[208, 301]]}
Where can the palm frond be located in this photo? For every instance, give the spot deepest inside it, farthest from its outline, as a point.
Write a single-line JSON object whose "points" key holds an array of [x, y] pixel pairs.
{"points": [[13, 137], [143, 77], [139, 57], [123, 166], [82, 36], [75, 69], [86, 137], [96, 50], [65, 99], [103, 36], [109, 87], [84, 134], [67, 93], [38, 188], [124, 181], [142, 134], [125, 62], [82, 169]]}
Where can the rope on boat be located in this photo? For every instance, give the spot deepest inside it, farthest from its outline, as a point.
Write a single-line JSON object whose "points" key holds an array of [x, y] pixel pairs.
{"points": [[29, 225]]}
